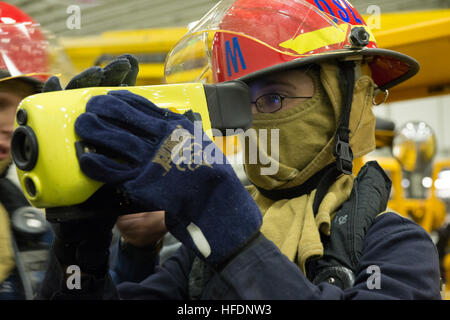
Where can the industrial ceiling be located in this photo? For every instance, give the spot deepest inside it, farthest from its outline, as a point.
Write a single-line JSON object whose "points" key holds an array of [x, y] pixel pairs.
{"points": [[97, 16]]}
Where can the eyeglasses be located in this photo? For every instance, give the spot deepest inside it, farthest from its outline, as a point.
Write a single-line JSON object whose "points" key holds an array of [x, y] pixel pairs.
{"points": [[272, 102]]}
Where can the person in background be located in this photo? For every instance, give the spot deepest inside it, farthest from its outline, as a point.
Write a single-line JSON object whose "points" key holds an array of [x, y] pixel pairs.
{"points": [[25, 235]]}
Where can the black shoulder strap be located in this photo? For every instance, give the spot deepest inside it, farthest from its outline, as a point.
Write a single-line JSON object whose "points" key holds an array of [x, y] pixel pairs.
{"points": [[11, 196], [342, 150]]}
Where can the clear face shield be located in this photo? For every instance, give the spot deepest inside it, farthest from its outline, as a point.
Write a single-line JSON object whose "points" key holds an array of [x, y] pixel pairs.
{"points": [[236, 38]]}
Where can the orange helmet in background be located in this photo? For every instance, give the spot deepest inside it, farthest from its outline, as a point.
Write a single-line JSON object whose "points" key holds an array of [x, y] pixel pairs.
{"points": [[245, 39], [24, 49]]}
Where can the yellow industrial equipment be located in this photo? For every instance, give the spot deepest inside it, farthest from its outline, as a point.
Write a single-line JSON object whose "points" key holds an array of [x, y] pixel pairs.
{"points": [[150, 46], [425, 36], [428, 210]]}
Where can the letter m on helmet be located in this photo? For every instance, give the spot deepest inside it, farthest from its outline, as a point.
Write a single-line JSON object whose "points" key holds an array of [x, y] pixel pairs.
{"points": [[232, 56]]}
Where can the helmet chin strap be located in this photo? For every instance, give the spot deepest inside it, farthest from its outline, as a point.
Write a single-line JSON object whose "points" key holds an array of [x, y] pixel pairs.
{"points": [[342, 150]]}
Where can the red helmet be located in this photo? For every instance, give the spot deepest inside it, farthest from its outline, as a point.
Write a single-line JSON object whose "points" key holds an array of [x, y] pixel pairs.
{"points": [[23, 47], [244, 39]]}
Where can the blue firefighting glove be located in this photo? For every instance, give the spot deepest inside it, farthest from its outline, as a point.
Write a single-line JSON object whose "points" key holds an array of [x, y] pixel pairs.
{"points": [[122, 71], [207, 208]]}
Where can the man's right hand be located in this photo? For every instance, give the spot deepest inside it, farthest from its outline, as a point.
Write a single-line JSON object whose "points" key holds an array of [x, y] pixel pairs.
{"points": [[142, 229]]}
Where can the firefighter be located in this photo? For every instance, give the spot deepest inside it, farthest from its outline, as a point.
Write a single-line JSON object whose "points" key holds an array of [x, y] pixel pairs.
{"points": [[307, 230], [25, 234]]}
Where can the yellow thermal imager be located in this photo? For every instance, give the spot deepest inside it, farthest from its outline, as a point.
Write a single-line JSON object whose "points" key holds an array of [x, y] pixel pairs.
{"points": [[44, 141]]}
